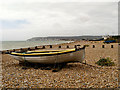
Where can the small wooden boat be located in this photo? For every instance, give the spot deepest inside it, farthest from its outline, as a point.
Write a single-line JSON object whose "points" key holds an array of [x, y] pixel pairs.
{"points": [[51, 56]]}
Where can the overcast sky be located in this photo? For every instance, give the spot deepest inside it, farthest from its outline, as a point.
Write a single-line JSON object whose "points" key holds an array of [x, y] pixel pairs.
{"points": [[24, 19]]}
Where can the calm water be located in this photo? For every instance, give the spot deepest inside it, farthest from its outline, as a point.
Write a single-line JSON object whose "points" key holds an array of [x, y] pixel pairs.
{"points": [[5, 45]]}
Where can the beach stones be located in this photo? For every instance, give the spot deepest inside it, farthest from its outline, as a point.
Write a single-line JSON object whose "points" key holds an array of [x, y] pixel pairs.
{"points": [[74, 75]]}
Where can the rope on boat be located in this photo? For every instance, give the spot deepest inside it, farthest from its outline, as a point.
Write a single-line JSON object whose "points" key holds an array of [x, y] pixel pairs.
{"points": [[25, 59], [56, 61]]}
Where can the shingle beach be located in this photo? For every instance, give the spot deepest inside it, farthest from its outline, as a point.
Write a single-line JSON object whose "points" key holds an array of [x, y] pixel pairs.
{"points": [[73, 75]]}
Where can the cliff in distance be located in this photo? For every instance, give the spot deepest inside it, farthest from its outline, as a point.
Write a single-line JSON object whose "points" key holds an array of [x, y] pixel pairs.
{"points": [[65, 38]]}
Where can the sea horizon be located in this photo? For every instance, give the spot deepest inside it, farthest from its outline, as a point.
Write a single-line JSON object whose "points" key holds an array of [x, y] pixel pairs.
{"points": [[6, 45]]}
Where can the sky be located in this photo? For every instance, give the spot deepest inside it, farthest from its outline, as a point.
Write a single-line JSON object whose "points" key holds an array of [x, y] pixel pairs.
{"points": [[24, 19]]}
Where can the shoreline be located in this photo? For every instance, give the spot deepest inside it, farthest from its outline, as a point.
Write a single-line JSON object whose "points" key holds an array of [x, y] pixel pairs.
{"points": [[33, 47]]}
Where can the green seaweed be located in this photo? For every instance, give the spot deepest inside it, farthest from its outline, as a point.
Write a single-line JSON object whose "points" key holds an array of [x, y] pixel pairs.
{"points": [[105, 62]]}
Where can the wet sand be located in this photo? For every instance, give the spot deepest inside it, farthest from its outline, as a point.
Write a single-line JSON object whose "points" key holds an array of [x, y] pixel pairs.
{"points": [[73, 75]]}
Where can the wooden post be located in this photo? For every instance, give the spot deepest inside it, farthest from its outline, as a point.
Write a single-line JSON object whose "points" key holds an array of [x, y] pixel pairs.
{"points": [[75, 46], [29, 49], [36, 47], [67, 46], [43, 47], [59, 46], [93, 46], [103, 46], [13, 50], [111, 46], [21, 50], [50, 46], [7, 52]]}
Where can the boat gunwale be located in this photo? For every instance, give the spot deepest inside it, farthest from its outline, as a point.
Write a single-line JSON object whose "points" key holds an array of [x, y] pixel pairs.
{"points": [[48, 54]]}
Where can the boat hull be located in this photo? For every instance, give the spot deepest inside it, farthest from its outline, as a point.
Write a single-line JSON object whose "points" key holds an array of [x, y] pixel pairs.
{"points": [[77, 56]]}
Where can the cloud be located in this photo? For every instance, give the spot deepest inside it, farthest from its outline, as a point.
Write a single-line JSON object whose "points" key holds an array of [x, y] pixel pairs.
{"points": [[34, 18]]}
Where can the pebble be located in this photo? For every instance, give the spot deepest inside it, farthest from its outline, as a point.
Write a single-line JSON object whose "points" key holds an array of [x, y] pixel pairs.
{"points": [[74, 75]]}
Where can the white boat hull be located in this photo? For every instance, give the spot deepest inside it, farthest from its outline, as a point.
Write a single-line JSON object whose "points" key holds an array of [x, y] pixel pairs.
{"points": [[77, 56]]}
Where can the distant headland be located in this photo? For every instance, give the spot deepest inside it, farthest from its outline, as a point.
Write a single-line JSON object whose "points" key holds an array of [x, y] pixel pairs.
{"points": [[65, 38]]}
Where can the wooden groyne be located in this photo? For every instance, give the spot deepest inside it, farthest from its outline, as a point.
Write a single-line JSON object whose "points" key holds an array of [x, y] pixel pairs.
{"points": [[36, 48], [94, 46], [22, 49]]}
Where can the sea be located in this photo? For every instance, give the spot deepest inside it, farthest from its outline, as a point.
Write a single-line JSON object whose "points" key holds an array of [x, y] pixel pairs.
{"points": [[6, 45]]}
